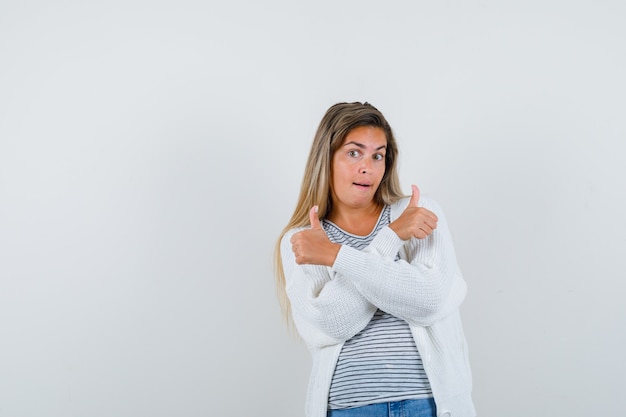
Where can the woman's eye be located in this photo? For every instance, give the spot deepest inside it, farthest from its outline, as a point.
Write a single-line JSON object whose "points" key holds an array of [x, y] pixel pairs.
{"points": [[353, 153], [379, 157]]}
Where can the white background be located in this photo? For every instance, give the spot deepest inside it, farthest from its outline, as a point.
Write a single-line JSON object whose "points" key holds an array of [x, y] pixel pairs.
{"points": [[151, 152]]}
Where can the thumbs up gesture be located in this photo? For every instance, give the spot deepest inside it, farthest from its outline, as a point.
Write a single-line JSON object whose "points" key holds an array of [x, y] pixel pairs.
{"points": [[315, 221], [312, 246], [414, 221]]}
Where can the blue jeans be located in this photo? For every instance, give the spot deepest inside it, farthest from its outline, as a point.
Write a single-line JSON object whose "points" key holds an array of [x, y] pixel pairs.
{"points": [[406, 408]]}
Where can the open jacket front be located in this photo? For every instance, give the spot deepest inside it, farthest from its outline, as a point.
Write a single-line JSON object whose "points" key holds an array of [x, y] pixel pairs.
{"points": [[424, 287]]}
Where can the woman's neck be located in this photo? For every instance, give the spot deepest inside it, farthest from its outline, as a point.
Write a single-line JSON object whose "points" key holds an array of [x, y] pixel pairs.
{"points": [[357, 221]]}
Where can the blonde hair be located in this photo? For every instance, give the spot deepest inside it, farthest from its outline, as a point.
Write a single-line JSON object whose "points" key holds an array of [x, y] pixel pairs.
{"points": [[338, 121]]}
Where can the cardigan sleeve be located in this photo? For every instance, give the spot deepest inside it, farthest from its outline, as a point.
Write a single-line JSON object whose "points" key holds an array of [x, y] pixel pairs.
{"points": [[327, 308], [424, 286]]}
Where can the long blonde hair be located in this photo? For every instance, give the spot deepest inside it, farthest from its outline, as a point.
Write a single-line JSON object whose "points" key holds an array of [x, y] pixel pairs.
{"points": [[338, 121]]}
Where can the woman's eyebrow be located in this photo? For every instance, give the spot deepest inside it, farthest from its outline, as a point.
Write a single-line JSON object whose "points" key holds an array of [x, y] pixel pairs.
{"points": [[361, 146]]}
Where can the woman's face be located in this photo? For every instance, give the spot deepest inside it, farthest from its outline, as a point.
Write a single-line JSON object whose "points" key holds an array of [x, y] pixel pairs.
{"points": [[358, 167]]}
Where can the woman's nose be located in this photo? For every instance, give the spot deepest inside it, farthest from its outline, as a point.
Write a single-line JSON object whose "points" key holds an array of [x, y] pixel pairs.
{"points": [[366, 165]]}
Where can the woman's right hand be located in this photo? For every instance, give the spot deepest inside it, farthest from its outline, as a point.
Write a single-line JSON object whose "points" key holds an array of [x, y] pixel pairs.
{"points": [[312, 246], [414, 221]]}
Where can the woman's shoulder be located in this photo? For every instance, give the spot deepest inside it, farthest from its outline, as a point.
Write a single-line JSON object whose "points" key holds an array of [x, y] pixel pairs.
{"points": [[289, 233]]}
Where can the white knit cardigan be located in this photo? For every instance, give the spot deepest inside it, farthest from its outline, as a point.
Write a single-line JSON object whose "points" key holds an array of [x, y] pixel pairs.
{"points": [[425, 287]]}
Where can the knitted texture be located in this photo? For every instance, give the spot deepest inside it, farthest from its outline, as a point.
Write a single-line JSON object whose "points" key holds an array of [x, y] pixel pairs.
{"points": [[425, 288]]}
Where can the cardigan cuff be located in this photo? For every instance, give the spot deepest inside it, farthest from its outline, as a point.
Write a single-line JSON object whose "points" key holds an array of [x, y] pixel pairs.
{"points": [[386, 244]]}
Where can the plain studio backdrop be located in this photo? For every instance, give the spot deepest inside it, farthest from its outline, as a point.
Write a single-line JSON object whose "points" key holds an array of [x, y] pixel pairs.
{"points": [[151, 152]]}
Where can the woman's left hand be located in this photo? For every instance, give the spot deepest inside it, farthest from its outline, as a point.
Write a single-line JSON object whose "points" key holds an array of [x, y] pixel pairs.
{"points": [[312, 246], [414, 221]]}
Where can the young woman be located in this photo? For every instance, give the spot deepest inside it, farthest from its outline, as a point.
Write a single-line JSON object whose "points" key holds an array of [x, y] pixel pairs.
{"points": [[371, 281]]}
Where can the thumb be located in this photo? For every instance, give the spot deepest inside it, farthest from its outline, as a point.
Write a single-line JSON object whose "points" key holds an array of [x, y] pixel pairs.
{"points": [[315, 221], [415, 197]]}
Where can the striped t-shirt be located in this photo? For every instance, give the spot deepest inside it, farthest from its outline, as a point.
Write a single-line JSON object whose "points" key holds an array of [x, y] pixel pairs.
{"points": [[381, 363]]}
